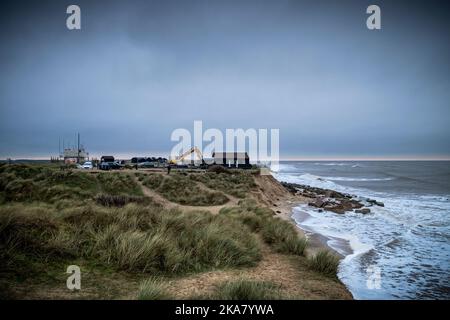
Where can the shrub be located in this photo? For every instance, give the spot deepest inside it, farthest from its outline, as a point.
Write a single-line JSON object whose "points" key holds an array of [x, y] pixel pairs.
{"points": [[153, 181], [181, 189], [132, 238], [140, 176], [179, 242], [26, 237], [153, 289], [20, 190], [118, 183], [247, 290], [236, 183], [293, 244], [109, 200], [22, 171], [282, 236], [279, 234], [32, 183], [324, 262], [22, 227], [218, 169]]}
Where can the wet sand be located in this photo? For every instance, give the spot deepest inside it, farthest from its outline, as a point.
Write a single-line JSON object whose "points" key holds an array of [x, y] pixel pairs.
{"points": [[318, 241]]}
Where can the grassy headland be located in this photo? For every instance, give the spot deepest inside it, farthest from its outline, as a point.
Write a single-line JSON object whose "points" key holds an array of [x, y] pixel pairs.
{"points": [[149, 235]]}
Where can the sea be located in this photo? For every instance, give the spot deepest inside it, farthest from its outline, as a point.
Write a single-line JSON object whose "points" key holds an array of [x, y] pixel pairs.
{"points": [[399, 251]]}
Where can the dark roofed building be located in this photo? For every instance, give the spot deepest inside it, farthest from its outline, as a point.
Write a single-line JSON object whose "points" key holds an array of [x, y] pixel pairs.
{"points": [[107, 159], [232, 159]]}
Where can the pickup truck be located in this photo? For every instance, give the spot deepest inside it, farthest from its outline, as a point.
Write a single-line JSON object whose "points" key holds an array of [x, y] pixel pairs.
{"points": [[108, 163]]}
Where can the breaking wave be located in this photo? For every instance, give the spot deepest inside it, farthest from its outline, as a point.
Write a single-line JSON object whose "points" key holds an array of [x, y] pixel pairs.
{"points": [[408, 239], [356, 179]]}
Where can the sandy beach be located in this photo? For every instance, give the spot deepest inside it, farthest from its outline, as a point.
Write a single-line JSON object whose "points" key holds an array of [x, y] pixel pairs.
{"points": [[375, 214], [284, 207]]}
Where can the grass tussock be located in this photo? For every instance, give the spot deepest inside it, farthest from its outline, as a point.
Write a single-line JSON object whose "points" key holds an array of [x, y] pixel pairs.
{"points": [[153, 289], [153, 181], [109, 200], [218, 169], [30, 183], [324, 262], [117, 183], [181, 189], [50, 218], [235, 183], [133, 238], [279, 234], [140, 176], [243, 289]]}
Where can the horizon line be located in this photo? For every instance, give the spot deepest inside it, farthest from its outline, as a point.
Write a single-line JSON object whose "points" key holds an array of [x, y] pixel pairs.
{"points": [[288, 158]]}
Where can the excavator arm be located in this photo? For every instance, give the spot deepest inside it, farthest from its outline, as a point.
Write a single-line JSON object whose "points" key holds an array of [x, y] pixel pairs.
{"points": [[187, 153]]}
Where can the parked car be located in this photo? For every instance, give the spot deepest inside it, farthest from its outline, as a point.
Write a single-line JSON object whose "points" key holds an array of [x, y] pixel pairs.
{"points": [[117, 164], [87, 165], [107, 163], [104, 166], [110, 166], [146, 164]]}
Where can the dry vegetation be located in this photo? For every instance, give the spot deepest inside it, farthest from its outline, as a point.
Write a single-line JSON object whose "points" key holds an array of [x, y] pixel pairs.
{"points": [[105, 223], [245, 289], [179, 188], [324, 262], [278, 233]]}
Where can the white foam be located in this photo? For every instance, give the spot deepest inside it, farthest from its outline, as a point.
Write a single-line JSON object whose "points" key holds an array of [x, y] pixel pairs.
{"points": [[356, 179], [417, 225], [283, 168], [314, 223], [332, 164]]}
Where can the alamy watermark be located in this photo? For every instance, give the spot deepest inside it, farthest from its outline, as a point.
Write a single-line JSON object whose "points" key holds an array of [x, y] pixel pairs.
{"points": [[215, 146], [373, 277], [74, 280], [373, 22], [73, 22]]}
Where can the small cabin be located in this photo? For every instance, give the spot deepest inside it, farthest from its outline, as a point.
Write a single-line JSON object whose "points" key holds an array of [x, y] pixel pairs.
{"points": [[107, 159], [232, 159]]}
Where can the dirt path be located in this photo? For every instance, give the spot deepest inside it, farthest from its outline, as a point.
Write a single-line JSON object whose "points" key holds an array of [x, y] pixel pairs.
{"points": [[269, 192], [291, 273], [297, 281]]}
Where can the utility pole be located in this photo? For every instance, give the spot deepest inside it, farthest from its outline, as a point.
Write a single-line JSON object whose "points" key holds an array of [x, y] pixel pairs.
{"points": [[78, 158]]}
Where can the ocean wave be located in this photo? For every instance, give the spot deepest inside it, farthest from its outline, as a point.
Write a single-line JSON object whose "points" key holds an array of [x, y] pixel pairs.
{"points": [[314, 178], [332, 164], [443, 198], [315, 223], [338, 164], [356, 179], [411, 231], [282, 167], [310, 180]]}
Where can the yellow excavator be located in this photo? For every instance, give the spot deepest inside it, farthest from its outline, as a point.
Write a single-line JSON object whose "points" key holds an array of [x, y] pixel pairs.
{"points": [[180, 158]]}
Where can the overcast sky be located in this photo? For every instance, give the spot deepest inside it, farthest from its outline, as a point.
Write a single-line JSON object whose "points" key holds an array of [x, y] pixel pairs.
{"points": [[137, 70]]}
